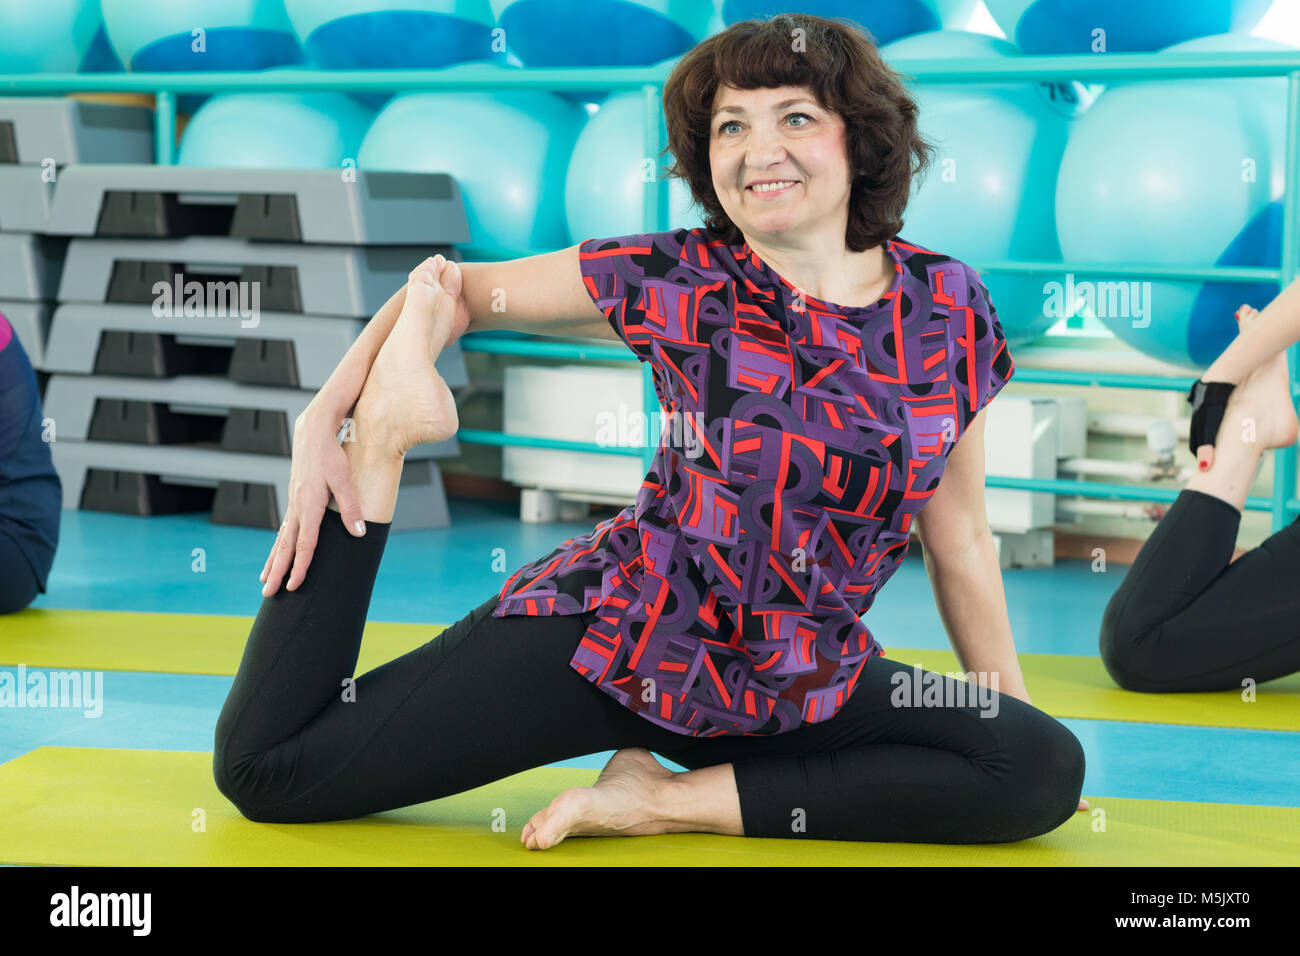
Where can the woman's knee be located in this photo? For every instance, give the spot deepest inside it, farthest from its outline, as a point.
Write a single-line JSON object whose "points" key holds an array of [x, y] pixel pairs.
{"points": [[1049, 781], [1121, 650], [18, 585], [246, 783]]}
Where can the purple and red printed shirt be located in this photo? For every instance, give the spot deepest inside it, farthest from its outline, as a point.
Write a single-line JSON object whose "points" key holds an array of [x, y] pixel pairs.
{"points": [[801, 438]]}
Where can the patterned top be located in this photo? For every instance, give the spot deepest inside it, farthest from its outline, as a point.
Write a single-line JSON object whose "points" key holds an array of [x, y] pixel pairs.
{"points": [[800, 439]]}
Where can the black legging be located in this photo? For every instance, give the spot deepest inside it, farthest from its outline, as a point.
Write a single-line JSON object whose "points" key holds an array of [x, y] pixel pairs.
{"points": [[290, 749], [1184, 619]]}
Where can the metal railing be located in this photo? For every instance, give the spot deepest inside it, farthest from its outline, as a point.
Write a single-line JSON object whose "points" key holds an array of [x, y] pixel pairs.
{"points": [[649, 81]]}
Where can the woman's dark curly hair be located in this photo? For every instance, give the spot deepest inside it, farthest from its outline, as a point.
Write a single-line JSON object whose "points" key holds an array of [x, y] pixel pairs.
{"points": [[839, 62]]}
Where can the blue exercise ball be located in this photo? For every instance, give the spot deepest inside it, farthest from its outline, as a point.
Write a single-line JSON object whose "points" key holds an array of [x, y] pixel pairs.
{"points": [[604, 191], [1119, 26], [989, 194], [508, 152], [200, 36], [53, 40], [383, 35], [885, 22], [601, 32], [276, 131], [1179, 173]]}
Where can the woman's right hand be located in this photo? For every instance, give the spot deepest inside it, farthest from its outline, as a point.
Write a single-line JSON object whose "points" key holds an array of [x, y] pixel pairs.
{"points": [[319, 466]]}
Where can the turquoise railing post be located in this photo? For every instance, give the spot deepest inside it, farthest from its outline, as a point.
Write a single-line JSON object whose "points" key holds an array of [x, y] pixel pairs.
{"points": [[164, 119]]}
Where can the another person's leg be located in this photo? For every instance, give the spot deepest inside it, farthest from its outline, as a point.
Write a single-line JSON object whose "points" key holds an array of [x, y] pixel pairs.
{"points": [[1184, 618], [18, 584]]}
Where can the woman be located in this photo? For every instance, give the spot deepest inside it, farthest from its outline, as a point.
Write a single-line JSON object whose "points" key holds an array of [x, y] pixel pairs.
{"points": [[31, 494], [718, 619], [1185, 618]]}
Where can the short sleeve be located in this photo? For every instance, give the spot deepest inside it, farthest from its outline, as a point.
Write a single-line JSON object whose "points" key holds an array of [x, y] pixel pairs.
{"points": [[643, 283], [983, 360]]}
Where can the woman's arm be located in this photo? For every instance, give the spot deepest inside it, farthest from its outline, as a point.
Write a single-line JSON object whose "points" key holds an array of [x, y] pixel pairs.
{"points": [[961, 558], [1276, 328], [541, 294]]}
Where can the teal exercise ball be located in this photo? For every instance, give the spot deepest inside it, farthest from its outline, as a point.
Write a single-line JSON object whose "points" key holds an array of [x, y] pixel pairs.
{"points": [[1176, 173], [1119, 26], [508, 152], [601, 32], [990, 192], [276, 131], [200, 36], [604, 191], [384, 35], [54, 39]]}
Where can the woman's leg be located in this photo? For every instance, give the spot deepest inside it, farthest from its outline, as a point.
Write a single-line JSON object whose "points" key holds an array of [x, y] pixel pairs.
{"points": [[889, 767], [297, 741], [1184, 619], [18, 584]]}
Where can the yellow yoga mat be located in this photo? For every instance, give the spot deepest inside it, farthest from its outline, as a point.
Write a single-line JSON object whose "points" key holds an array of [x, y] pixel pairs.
{"points": [[1060, 684], [98, 807]]}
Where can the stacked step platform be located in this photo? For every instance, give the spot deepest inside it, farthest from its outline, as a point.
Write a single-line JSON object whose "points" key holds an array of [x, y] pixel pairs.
{"points": [[185, 316]]}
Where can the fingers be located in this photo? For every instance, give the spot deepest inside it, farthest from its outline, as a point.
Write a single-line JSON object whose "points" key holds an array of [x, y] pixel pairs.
{"points": [[1205, 457], [281, 556], [345, 494], [305, 545]]}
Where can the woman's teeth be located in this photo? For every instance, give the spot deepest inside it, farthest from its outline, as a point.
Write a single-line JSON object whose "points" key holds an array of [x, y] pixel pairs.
{"points": [[769, 187]]}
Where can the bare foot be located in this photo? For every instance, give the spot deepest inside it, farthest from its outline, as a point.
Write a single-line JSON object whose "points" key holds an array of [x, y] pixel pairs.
{"points": [[1264, 397], [404, 397], [622, 802]]}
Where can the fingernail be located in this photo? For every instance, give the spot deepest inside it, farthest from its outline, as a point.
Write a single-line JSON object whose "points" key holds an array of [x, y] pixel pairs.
{"points": [[359, 527]]}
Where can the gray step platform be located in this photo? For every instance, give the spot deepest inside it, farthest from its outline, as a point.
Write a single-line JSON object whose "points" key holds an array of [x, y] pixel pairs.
{"points": [[31, 323], [348, 281], [261, 481], [26, 200], [311, 346], [36, 129], [72, 402], [276, 205], [30, 265]]}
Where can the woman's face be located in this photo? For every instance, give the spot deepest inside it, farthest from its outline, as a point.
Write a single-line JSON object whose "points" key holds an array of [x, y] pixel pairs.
{"points": [[781, 134]]}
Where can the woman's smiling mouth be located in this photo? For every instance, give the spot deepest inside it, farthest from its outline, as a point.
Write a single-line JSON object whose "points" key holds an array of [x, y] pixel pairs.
{"points": [[771, 189]]}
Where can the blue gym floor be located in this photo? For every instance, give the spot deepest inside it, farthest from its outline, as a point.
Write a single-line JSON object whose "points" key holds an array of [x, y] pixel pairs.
{"points": [[121, 563]]}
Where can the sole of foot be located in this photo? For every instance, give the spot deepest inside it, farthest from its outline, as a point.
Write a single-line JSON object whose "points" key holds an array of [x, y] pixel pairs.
{"points": [[405, 401], [620, 803]]}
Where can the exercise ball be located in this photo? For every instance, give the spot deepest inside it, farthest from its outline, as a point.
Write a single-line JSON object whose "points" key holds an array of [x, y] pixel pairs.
{"points": [[1119, 26], [507, 152], [1186, 173], [275, 131], [200, 36], [601, 32], [53, 40], [604, 191], [989, 194], [384, 35]]}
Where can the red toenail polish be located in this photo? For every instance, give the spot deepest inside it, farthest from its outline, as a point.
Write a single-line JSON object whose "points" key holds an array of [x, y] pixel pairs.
{"points": [[1202, 466]]}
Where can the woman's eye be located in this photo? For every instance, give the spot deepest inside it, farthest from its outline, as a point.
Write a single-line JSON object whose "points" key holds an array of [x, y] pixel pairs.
{"points": [[723, 128]]}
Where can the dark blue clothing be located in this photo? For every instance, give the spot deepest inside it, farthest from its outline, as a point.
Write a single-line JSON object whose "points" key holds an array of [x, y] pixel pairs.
{"points": [[31, 494]]}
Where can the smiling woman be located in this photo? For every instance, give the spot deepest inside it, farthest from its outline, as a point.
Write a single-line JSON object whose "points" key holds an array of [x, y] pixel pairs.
{"points": [[828, 369]]}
